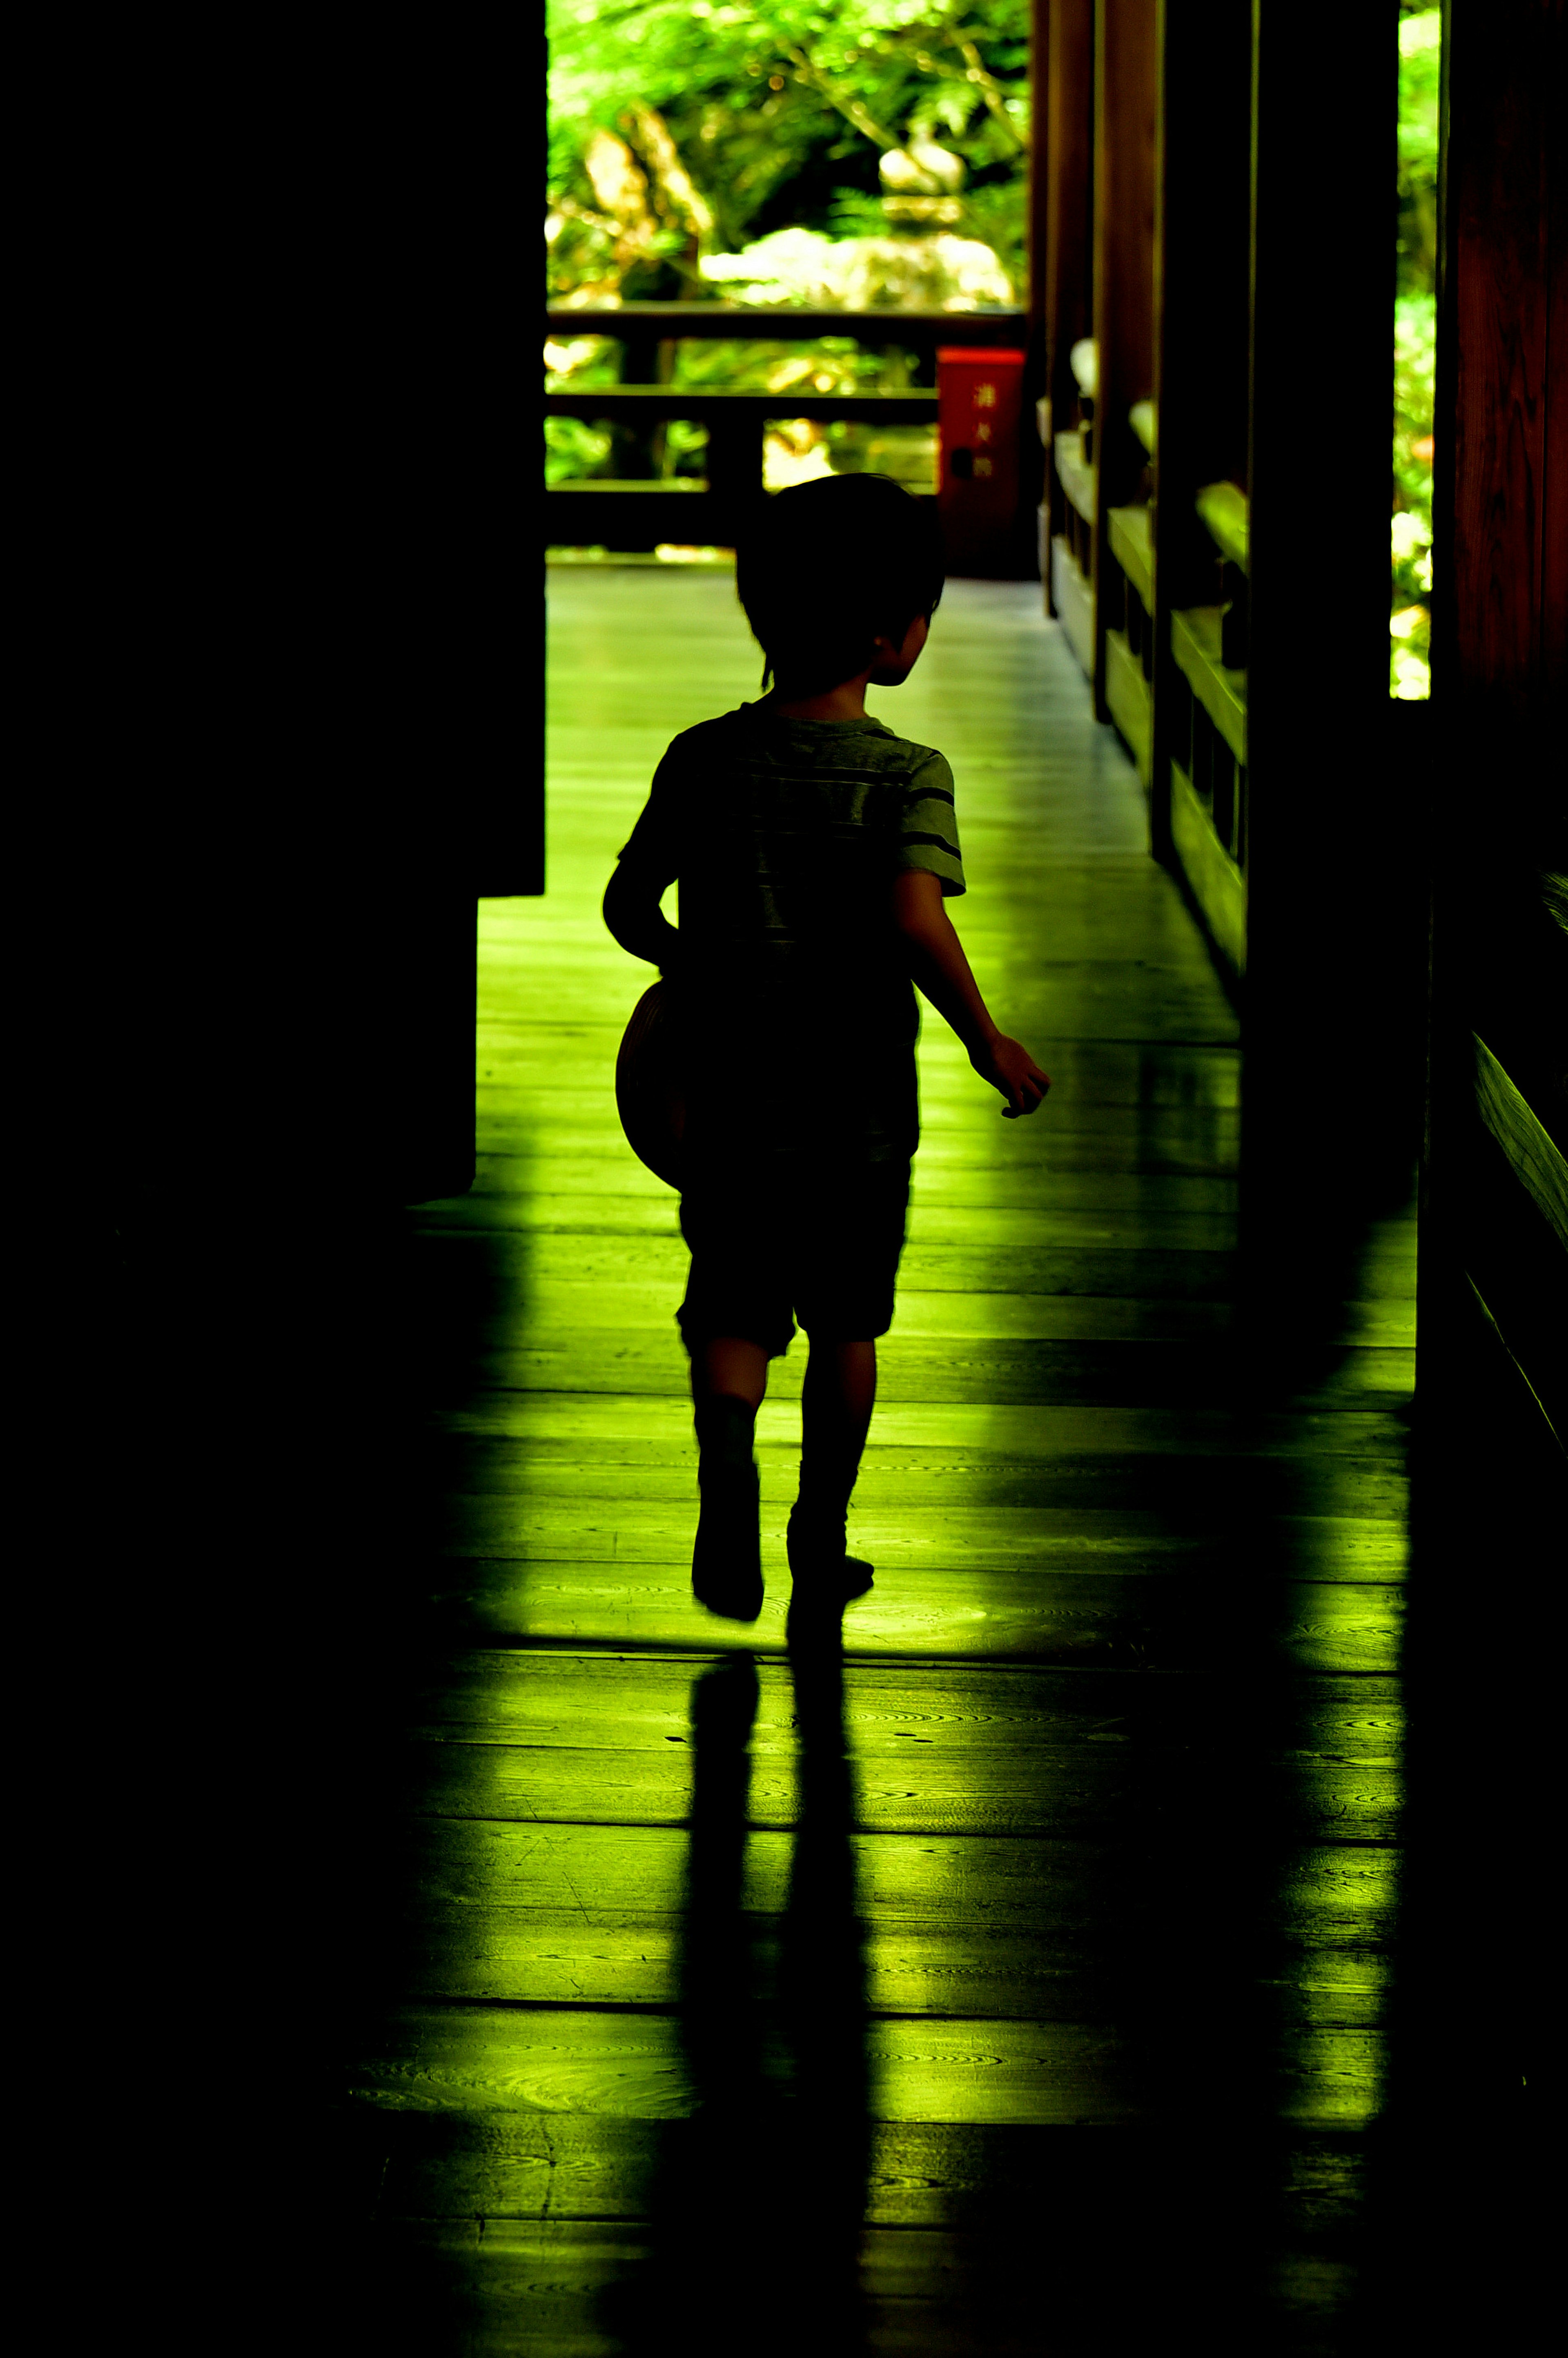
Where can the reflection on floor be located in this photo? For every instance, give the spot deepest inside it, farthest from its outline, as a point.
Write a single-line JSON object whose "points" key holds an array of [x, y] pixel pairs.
{"points": [[1018, 1984]]}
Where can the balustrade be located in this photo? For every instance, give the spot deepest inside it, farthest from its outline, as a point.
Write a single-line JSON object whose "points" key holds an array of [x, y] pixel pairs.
{"points": [[639, 513]]}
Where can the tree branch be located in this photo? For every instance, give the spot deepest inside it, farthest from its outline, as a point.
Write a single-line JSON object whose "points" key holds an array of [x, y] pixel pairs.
{"points": [[850, 108], [989, 89]]}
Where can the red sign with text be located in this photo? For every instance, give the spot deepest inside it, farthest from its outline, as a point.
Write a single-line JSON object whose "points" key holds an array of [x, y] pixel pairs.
{"points": [[979, 407]]}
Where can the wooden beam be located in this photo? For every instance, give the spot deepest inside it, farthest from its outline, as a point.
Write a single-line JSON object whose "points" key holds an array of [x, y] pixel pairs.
{"points": [[660, 321]]}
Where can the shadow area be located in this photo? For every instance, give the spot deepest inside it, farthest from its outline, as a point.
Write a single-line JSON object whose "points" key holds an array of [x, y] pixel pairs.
{"points": [[758, 2197]]}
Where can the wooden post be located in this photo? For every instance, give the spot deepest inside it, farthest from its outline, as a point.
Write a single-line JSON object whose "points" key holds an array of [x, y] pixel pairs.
{"points": [[1201, 322], [1068, 170], [735, 451], [1125, 78], [1493, 1276], [1037, 341], [1490, 1495], [1320, 406]]}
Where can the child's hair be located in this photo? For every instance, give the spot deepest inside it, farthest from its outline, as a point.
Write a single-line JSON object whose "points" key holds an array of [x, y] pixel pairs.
{"points": [[828, 565]]}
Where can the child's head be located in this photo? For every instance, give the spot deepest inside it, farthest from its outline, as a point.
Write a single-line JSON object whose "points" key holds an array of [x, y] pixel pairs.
{"points": [[830, 566]]}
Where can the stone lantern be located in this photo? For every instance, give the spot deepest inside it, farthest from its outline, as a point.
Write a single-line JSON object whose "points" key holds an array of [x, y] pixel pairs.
{"points": [[920, 183]]}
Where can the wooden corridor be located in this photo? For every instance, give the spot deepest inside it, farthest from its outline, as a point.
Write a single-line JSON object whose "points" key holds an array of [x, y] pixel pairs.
{"points": [[1020, 1983]]}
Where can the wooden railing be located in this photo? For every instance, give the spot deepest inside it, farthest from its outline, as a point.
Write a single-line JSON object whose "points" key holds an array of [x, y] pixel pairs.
{"points": [[1072, 495], [1208, 782], [708, 510], [1127, 577], [1072, 549], [644, 326]]}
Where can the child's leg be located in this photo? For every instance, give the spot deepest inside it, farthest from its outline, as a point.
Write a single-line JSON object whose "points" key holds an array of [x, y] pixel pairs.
{"points": [[729, 1377], [727, 1365], [735, 1318], [836, 1399]]}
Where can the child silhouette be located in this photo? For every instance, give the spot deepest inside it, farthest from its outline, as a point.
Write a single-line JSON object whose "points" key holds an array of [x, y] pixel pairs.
{"points": [[816, 852]]}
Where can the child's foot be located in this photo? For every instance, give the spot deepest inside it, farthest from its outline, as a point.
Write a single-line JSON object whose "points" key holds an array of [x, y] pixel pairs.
{"points": [[822, 1570], [726, 1561]]}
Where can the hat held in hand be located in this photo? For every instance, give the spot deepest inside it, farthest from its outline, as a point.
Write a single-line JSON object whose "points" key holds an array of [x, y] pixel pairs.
{"points": [[649, 1094]]}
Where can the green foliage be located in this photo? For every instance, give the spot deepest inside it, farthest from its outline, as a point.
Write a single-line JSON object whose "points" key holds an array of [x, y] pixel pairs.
{"points": [[582, 362], [1415, 365], [775, 119], [755, 365], [1421, 61], [573, 449], [1415, 351], [1421, 75], [830, 364]]}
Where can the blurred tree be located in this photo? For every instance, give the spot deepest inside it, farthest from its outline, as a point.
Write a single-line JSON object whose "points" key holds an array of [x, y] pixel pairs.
{"points": [[1421, 61], [1415, 349], [684, 127]]}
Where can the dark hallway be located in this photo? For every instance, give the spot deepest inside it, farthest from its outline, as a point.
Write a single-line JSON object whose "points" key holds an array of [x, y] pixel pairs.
{"points": [[451, 1939]]}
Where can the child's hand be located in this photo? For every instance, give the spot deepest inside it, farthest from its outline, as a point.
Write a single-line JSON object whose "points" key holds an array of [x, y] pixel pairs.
{"points": [[1008, 1066]]}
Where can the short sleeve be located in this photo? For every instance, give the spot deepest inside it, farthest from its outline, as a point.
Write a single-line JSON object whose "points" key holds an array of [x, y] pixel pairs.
{"points": [[653, 844], [929, 826]]}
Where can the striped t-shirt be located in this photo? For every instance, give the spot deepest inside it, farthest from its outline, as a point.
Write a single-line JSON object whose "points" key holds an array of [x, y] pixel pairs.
{"points": [[785, 836]]}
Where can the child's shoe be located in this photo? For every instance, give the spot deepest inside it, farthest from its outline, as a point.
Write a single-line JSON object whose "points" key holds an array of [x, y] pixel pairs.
{"points": [[820, 1566], [726, 1561]]}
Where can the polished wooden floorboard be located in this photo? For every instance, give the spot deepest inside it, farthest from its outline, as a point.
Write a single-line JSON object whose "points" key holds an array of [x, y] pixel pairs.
{"points": [[1020, 1982]]}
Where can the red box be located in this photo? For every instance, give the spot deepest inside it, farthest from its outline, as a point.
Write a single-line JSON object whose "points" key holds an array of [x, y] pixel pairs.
{"points": [[980, 410]]}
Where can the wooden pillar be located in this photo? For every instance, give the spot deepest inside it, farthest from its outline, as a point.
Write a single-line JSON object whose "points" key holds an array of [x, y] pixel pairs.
{"points": [[1036, 379], [1125, 81], [1066, 172], [1490, 1492], [1323, 117], [1203, 170], [735, 462], [1494, 1246]]}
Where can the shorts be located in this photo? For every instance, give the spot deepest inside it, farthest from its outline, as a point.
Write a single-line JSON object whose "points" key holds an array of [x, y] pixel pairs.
{"points": [[778, 1242]]}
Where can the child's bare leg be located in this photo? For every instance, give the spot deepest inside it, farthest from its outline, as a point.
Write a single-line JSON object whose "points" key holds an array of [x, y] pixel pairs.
{"points": [[729, 1377], [836, 1399], [726, 1364]]}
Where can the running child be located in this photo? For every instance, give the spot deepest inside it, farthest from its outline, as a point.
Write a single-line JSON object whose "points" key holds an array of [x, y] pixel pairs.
{"points": [[816, 852]]}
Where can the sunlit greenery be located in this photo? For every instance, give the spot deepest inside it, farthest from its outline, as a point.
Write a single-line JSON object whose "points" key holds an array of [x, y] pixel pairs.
{"points": [[1415, 342], [862, 155], [682, 131]]}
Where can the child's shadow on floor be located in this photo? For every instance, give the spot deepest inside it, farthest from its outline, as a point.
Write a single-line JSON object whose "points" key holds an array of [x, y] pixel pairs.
{"points": [[758, 2198]]}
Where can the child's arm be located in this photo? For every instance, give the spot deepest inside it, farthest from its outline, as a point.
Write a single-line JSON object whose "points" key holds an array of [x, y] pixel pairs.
{"points": [[632, 913], [936, 961]]}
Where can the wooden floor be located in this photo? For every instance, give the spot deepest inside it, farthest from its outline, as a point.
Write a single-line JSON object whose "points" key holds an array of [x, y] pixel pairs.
{"points": [[1020, 1984]]}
